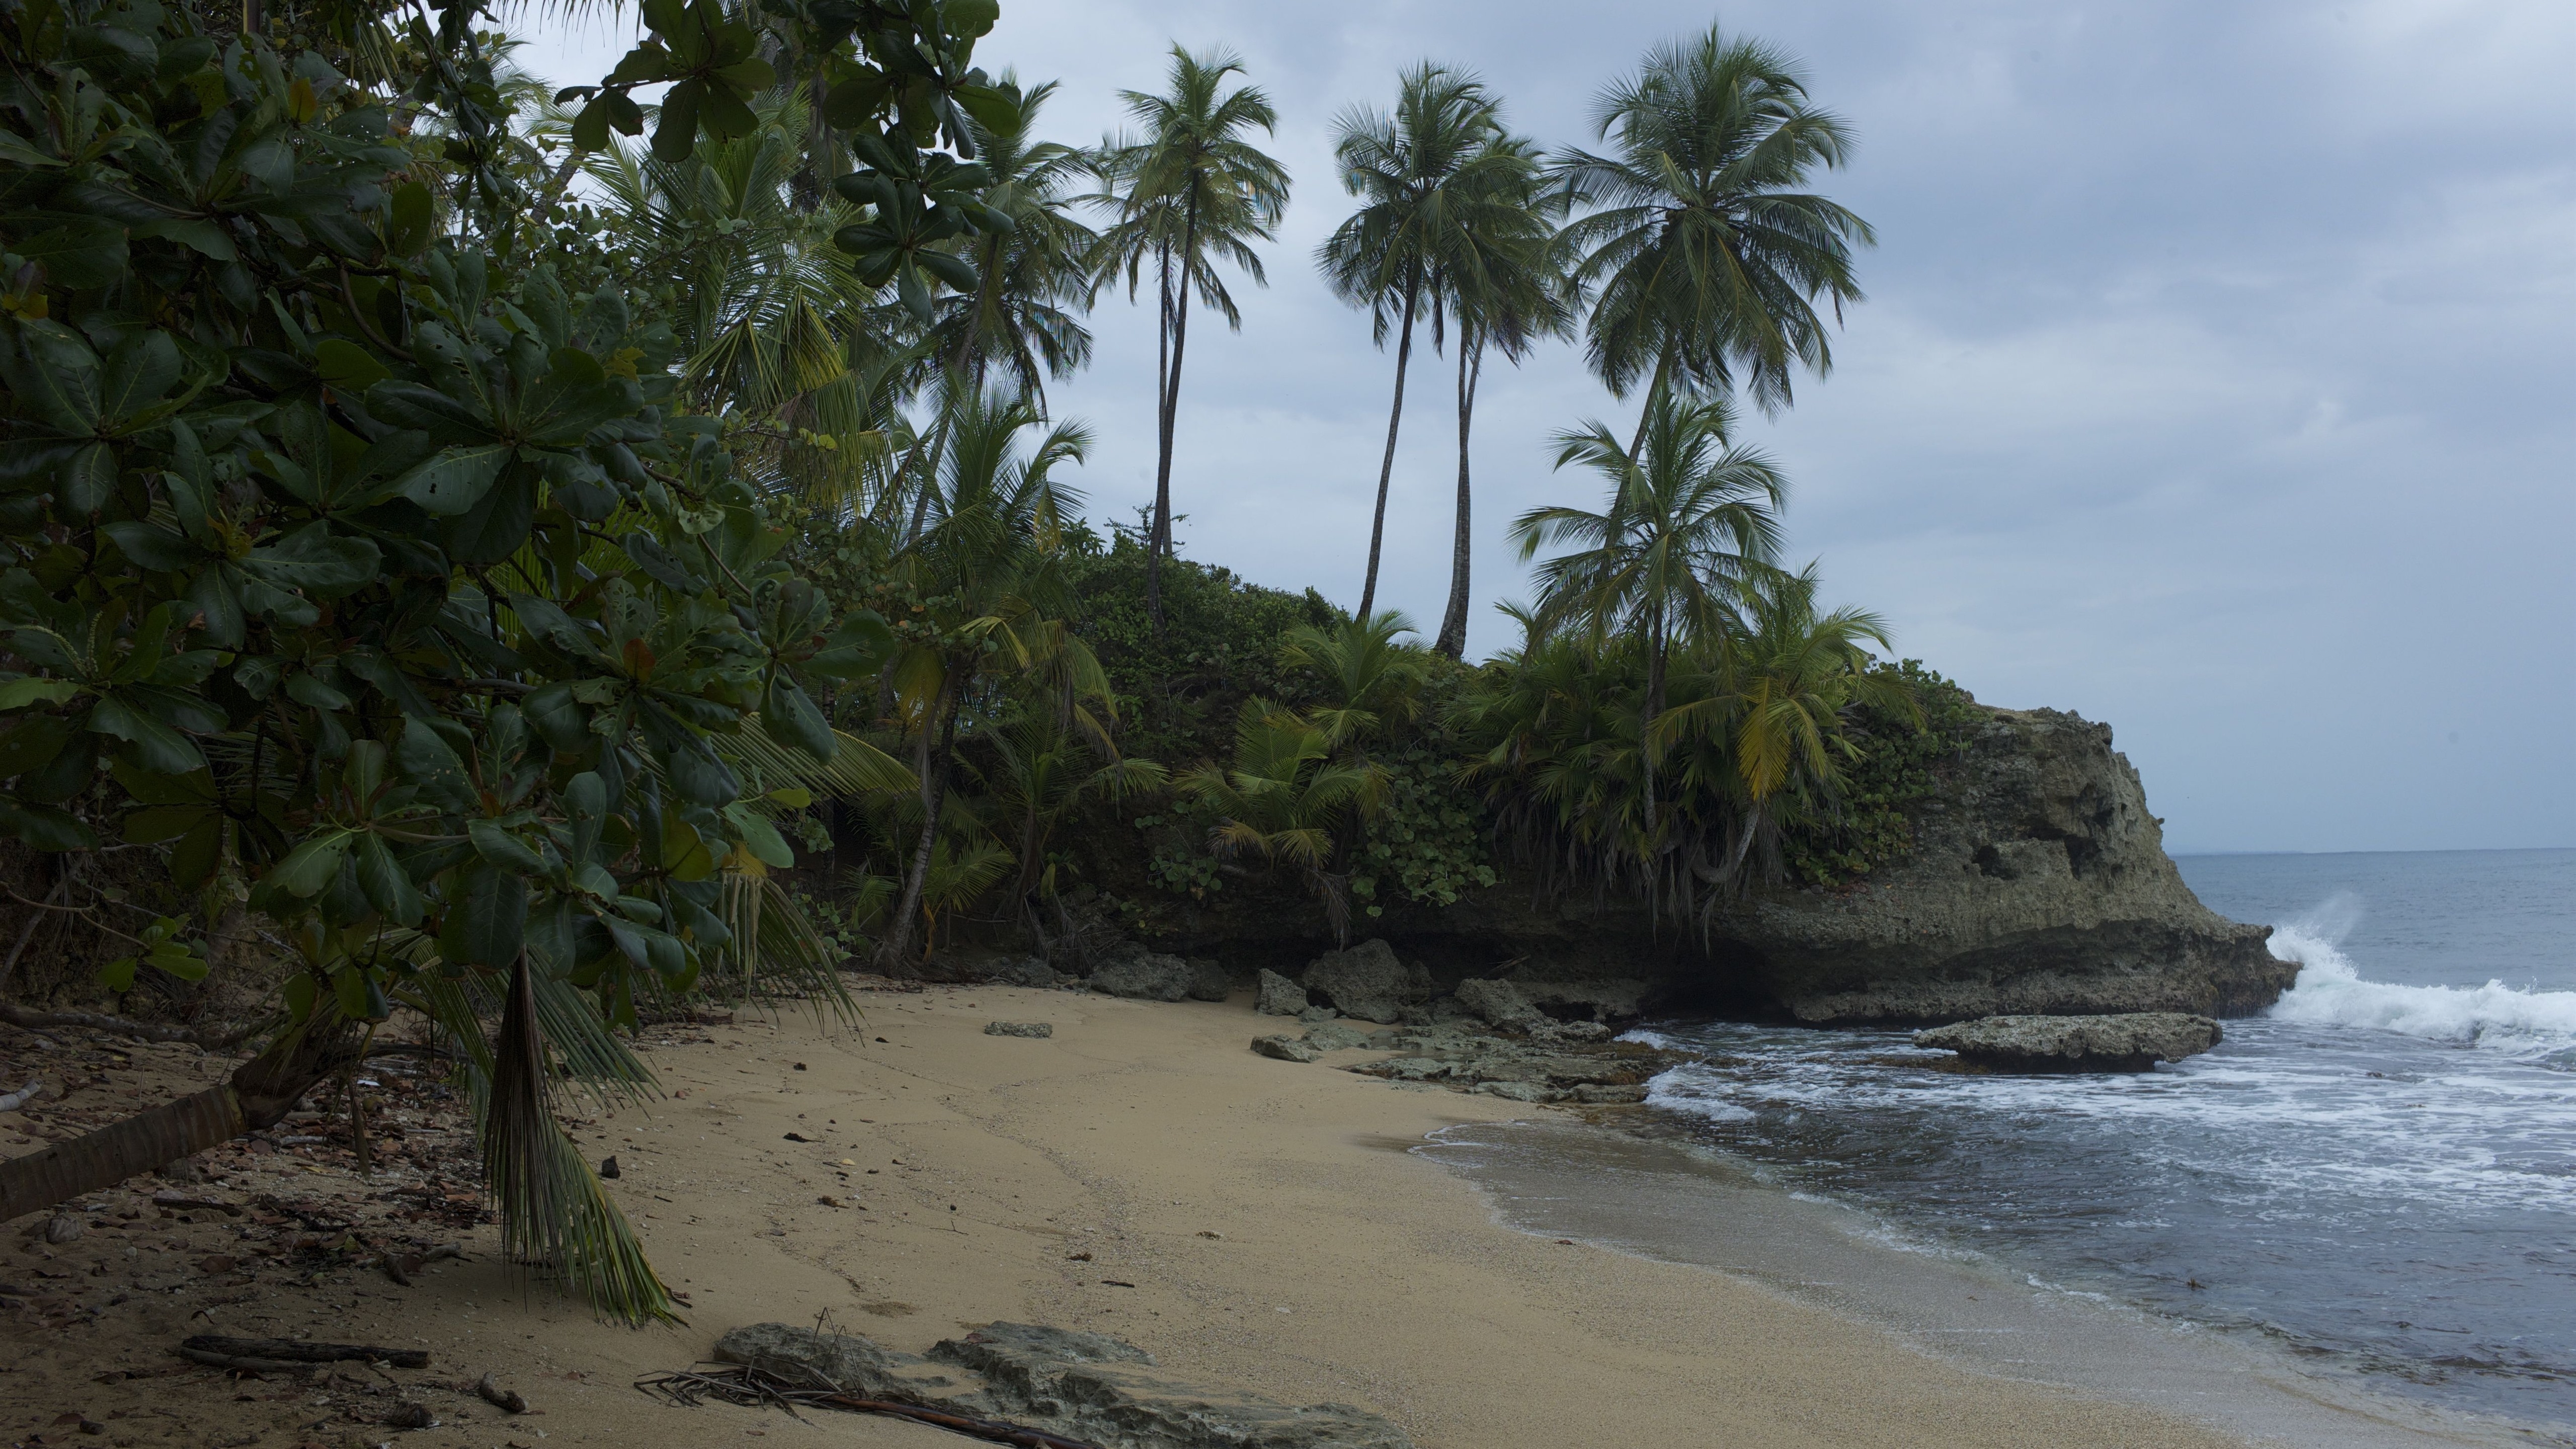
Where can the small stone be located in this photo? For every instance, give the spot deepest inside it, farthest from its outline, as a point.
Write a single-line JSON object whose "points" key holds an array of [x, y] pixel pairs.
{"points": [[1020, 1028], [1279, 996], [608, 1167], [1318, 1015], [1285, 1048], [67, 1227]]}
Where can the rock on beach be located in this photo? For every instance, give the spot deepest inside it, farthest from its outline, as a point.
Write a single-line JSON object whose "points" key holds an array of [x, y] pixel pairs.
{"points": [[2131, 1041]]}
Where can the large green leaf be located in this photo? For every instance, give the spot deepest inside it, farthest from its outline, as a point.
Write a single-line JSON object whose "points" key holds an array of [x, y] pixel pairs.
{"points": [[457, 479]]}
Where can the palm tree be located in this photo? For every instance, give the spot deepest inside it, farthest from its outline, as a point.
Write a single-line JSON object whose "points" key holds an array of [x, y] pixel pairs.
{"points": [[1788, 683], [1506, 288], [1707, 255], [1286, 801], [1041, 771], [1691, 520], [1370, 681], [1417, 173], [1032, 281], [988, 572], [1188, 192]]}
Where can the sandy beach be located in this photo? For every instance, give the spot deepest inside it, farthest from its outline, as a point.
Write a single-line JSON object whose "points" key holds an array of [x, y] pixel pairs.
{"points": [[1253, 1223]]}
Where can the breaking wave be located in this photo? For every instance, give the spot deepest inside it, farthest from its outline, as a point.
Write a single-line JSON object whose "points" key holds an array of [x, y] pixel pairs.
{"points": [[2330, 992]]}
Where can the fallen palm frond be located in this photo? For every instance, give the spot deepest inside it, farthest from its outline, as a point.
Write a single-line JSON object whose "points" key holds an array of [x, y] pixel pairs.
{"points": [[751, 1388]]}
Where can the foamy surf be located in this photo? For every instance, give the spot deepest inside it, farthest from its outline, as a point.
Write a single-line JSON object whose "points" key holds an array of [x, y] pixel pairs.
{"points": [[2330, 992]]}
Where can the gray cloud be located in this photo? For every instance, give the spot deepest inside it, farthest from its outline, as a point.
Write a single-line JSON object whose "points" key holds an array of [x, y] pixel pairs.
{"points": [[2215, 380]]}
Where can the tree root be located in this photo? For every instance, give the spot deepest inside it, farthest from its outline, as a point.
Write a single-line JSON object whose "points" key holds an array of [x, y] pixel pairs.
{"points": [[19, 1016]]}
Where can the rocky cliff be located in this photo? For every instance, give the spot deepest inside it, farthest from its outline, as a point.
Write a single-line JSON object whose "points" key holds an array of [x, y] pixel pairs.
{"points": [[2038, 884]]}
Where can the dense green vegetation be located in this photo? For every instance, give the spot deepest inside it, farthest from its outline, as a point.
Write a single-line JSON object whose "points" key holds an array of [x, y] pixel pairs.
{"points": [[467, 562]]}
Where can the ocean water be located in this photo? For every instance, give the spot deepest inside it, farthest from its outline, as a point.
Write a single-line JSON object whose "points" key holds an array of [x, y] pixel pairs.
{"points": [[2378, 1175]]}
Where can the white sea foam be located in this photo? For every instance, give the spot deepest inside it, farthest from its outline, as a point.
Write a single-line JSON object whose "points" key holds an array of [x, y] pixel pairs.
{"points": [[2330, 992]]}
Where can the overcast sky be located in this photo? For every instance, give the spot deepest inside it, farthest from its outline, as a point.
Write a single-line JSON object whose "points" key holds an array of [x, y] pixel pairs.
{"points": [[2217, 377]]}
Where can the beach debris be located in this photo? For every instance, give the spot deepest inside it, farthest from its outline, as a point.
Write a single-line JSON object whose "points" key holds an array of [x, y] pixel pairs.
{"points": [[21, 1097], [1286, 1049], [507, 1401], [800, 1066], [751, 1388], [1204, 1233], [65, 1227], [2130, 1041], [1116, 1283], [78, 1422], [608, 1167], [184, 1202], [273, 1355], [1081, 1257], [1038, 1029], [1278, 996], [796, 1137], [408, 1416], [1059, 1387]]}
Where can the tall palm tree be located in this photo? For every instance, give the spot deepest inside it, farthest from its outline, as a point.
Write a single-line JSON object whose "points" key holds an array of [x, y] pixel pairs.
{"points": [[1506, 288], [1416, 172], [1033, 281], [1188, 191], [1707, 255], [1690, 522]]}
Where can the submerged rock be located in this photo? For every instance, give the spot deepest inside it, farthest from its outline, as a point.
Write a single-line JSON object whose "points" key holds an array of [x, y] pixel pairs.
{"points": [[2125, 1042], [1145, 976], [1368, 982], [1286, 1049], [1278, 996], [1083, 1386]]}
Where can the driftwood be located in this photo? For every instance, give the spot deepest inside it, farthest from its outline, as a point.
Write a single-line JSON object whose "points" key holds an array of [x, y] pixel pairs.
{"points": [[506, 1400], [751, 1388], [272, 1354]]}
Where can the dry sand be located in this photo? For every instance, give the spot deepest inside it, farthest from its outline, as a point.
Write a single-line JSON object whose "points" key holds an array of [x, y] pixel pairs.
{"points": [[1261, 1221]]}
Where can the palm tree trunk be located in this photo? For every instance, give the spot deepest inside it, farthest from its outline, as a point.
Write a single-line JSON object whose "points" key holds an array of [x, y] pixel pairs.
{"points": [[1162, 421], [933, 758], [260, 1093], [1162, 541], [1386, 468], [1654, 707], [1453, 623], [1654, 390]]}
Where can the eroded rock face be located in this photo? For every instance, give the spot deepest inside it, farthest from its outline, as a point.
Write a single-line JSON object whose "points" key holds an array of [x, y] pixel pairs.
{"points": [[1497, 1002], [2038, 884], [2125, 1042], [1279, 996], [1146, 976], [1078, 1385], [1367, 981], [1208, 980]]}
